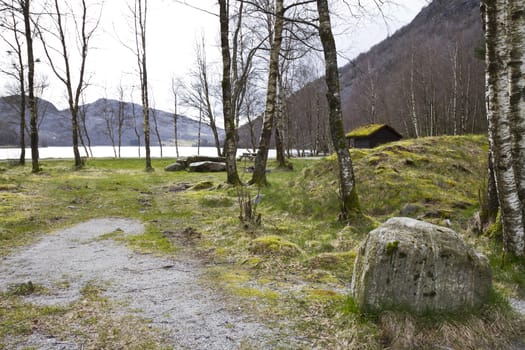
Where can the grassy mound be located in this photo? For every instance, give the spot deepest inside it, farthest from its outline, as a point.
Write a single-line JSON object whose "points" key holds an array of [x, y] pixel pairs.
{"points": [[435, 178]]}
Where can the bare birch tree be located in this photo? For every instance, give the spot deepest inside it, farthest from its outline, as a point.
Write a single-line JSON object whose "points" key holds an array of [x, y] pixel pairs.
{"points": [[174, 91], [154, 113], [199, 93], [17, 69], [348, 193], [505, 96], [259, 173], [230, 143], [29, 18], [140, 13], [108, 115], [85, 139], [122, 118], [135, 124], [84, 33]]}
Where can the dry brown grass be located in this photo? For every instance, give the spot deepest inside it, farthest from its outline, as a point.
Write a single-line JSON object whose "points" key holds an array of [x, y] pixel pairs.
{"points": [[492, 329]]}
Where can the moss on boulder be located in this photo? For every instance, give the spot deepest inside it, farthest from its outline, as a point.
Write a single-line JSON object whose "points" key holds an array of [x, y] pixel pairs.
{"points": [[414, 265]]}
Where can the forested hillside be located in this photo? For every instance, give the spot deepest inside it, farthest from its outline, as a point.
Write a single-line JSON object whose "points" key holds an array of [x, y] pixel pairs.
{"points": [[426, 79]]}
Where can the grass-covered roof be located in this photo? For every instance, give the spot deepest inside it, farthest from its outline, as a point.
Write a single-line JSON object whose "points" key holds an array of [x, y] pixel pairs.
{"points": [[366, 130]]}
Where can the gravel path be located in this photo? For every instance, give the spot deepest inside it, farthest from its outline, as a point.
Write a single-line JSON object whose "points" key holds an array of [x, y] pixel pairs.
{"points": [[162, 290]]}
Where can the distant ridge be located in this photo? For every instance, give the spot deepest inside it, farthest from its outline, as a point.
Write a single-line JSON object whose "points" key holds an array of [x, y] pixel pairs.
{"points": [[55, 125]]}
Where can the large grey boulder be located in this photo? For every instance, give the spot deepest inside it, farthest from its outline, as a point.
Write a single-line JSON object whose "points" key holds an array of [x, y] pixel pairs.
{"points": [[204, 167], [416, 266]]}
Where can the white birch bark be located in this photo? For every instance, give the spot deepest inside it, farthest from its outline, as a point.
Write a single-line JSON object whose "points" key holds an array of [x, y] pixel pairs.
{"points": [[261, 159], [413, 112], [500, 125], [516, 42]]}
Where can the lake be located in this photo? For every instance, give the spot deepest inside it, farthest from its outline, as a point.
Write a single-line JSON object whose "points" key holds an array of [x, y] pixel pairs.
{"points": [[126, 152]]}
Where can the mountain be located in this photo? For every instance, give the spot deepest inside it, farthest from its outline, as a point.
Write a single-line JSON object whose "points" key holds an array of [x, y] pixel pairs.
{"points": [[429, 75], [426, 79], [102, 120]]}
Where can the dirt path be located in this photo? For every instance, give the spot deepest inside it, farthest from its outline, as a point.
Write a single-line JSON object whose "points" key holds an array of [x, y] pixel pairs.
{"points": [[163, 291]]}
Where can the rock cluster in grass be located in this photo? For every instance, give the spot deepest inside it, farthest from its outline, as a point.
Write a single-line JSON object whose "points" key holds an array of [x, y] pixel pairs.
{"points": [[413, 265], [198, 164]]}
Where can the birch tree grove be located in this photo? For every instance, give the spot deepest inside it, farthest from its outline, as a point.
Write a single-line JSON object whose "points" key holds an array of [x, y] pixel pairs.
{"points": [[504, 23], [348, 193]]}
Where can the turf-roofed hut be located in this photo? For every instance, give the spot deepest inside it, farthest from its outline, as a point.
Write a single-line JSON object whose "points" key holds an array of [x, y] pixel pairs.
{"points": [[372, 135]]}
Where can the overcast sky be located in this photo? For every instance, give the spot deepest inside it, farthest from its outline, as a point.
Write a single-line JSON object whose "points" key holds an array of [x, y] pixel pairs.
{"points": [[172, 31]]}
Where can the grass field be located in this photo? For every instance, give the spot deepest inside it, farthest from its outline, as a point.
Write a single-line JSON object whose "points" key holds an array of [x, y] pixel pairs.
{"points": [[297, 264]]}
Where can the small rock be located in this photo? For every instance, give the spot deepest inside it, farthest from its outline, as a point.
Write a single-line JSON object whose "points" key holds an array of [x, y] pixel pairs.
{"points": [[179, 187], [518, 305], [175, 167], [409, 209], [446, 223]]}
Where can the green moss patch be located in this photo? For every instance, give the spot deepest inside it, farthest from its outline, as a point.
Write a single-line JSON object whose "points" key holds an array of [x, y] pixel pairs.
{"points": [[334, 261], [274, 245], [203, 185]]}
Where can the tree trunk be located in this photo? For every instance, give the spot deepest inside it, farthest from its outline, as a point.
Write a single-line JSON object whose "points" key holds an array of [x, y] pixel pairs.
{"points": [[87, 148], [215, 132], [349, 199], [413, 110], [175, 132], [199, 132], [22, 159], [499, 108], [135, 127], [261, 159], [280, 132], [203, 68], [489, 200], [251, 127], [145, 113], [141, 17], [121, 119], [230, 142], [516, 41], [31, 86], [76, 130], [157, 133]]}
